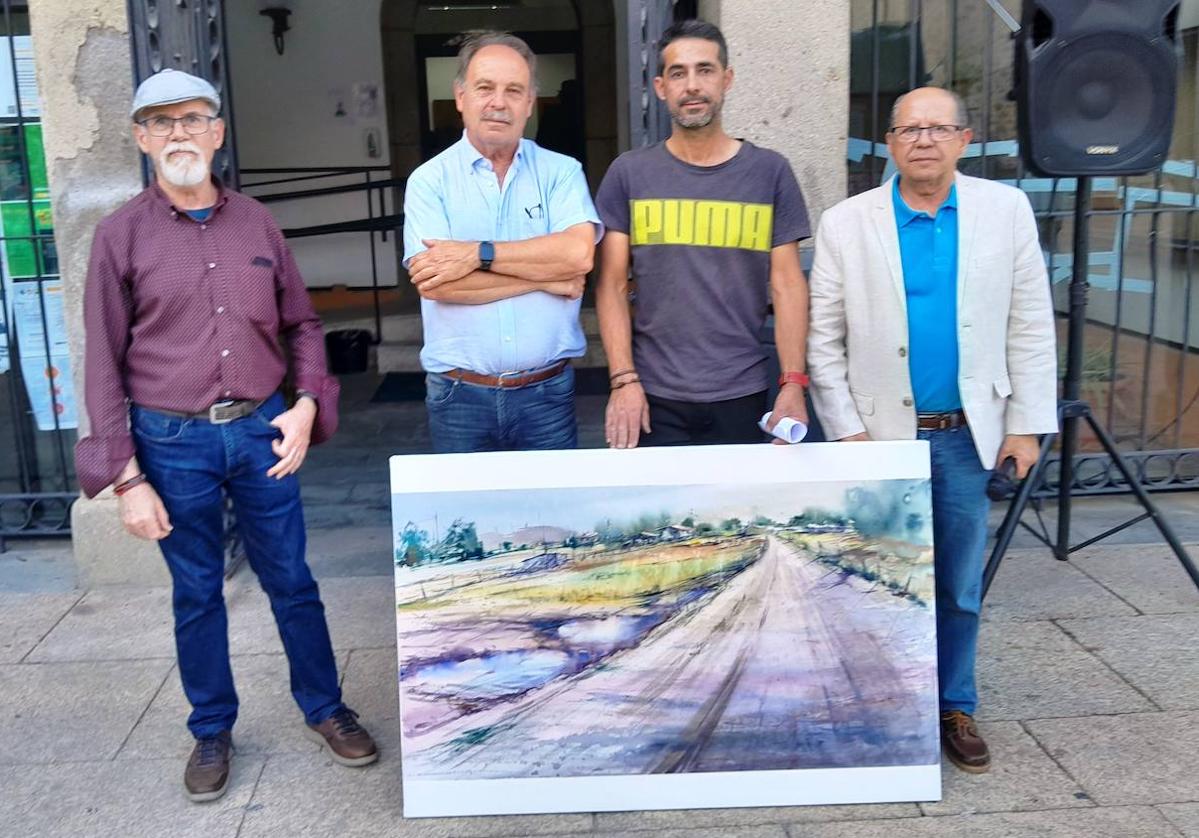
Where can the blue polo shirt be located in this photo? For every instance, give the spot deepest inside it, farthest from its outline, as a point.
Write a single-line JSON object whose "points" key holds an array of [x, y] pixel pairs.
{"points": [[928, 250]]}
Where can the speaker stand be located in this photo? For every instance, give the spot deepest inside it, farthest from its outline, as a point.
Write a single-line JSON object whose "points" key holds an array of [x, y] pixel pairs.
{"points": [[1072, 410]]}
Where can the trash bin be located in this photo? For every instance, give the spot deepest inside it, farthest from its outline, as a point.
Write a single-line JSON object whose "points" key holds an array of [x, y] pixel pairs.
{"points": [[348, 350]]}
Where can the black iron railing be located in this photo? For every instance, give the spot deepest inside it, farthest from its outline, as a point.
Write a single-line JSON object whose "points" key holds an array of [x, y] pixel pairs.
{"points": [[37, 479], [378, 220]]}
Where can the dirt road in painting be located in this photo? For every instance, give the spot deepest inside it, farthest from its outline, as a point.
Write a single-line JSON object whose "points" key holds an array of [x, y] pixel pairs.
{"points": [[790, 665]]}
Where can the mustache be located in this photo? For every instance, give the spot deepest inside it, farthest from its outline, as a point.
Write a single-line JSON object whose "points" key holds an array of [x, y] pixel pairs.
{"points": [[695, 100], [171, 148], [498, 116]]}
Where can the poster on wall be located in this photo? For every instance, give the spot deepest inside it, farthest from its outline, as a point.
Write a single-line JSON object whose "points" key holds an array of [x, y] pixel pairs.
{"points": [[665, 628], [45, 356], [25, 83], [32, 288], [4, 362]]}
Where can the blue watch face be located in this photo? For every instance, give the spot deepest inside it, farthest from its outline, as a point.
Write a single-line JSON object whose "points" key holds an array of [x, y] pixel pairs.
{"points": [[486, 252]]}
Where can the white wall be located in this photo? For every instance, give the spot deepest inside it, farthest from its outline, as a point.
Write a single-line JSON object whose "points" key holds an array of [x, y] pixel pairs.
{"points": [[285, 116]]}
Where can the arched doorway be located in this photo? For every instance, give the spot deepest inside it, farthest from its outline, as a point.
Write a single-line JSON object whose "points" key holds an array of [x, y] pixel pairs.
{"points": [[576, 46]]}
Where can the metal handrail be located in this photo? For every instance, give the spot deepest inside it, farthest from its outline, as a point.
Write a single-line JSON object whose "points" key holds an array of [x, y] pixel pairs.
{"points": [[331, 190], [381, 223], [378, 224]]}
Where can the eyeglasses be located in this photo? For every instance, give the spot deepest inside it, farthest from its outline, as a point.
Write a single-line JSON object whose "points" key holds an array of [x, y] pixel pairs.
{"points": [[937, 133], [164, 126]]}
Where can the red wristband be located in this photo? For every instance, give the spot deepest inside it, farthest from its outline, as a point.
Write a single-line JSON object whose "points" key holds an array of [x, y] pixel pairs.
{"points": [[800, 378]]}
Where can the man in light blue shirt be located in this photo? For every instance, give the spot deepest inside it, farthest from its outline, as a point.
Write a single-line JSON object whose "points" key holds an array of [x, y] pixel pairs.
{"points": [[499, 235]]}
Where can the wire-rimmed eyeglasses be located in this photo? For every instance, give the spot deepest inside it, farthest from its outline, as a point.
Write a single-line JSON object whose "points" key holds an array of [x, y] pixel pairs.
{"points": [[164, 126]]}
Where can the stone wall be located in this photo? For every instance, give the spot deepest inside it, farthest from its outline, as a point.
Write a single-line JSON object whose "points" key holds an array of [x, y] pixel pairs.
{"points": [[84, 75], [791, 87]]}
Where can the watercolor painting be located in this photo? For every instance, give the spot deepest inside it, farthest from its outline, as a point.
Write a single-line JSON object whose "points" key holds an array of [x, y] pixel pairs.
{"points": [[598, 631]]}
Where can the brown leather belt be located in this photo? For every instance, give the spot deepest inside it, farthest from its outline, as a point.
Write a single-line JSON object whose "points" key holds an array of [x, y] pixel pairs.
{"points": [[507, 380], [940, 421], [219, 413]]}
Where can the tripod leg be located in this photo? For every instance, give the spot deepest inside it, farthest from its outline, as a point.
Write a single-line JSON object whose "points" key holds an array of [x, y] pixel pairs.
{"points": [[1069, 434], [1003, 537], [1147, 504]]}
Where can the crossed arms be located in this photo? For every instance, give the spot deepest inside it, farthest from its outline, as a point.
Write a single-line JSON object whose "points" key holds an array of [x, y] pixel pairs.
{"points": [[557, 263]]}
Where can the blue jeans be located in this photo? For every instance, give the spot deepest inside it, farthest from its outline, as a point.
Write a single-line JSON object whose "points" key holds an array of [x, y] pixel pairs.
{"points": [[960, 507], [468, 417], [192, 463]]}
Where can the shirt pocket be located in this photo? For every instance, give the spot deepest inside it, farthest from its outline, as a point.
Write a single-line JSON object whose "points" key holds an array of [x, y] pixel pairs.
{"points": [[257, 293], [529, 215]]}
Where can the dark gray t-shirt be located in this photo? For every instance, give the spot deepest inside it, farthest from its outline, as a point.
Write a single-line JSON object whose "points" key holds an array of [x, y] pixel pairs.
{"points": [[700, 240]]}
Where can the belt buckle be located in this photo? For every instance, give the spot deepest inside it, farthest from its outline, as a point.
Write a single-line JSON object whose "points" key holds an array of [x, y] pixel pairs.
{"points": [[504, 375], [219, 413]]}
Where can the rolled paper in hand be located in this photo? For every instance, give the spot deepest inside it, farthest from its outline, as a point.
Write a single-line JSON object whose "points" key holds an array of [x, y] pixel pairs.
{"points": [[788, 430]]}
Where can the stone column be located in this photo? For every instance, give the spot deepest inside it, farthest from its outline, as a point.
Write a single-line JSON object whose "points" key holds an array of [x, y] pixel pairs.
{"points": [[85, 80], [791, 88]]}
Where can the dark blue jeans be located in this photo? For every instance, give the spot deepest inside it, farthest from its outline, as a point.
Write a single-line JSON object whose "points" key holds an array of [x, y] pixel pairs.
{"points": [[192, 463], [960, 507], [468, 417]]}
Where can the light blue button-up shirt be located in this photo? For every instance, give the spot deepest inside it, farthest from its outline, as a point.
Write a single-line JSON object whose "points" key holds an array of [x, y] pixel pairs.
{"points": [[928, 248], [457, 196]]}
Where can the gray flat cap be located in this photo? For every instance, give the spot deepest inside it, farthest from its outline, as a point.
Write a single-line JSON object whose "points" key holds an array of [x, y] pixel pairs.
{"points": [[167, 87]]}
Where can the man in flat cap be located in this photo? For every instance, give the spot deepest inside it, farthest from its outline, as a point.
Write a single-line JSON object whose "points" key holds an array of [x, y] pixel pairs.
{"points": [[190, 290]]}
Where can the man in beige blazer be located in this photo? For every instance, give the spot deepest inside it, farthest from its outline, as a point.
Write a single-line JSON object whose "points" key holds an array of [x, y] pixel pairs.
{"points": [[931, 318]]}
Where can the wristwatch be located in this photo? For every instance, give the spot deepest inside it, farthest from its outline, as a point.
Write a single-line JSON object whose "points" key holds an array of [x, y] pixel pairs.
{"points": [[486, 255], [800, 378]]}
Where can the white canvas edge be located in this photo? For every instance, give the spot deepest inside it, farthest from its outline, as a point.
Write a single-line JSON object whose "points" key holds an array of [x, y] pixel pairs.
{"points": [[698, 465], [709, 790], [670, 466]]}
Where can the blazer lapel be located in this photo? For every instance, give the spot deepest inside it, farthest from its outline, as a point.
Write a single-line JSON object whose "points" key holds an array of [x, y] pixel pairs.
{"points": [[888, 238], [969, 213]]}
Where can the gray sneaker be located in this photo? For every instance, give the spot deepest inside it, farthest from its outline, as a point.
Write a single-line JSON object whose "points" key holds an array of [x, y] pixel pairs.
{"points": [[207, 774]]}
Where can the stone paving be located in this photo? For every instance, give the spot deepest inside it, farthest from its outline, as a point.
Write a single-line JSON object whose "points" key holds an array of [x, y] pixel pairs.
{"points": [[1089, 674]]}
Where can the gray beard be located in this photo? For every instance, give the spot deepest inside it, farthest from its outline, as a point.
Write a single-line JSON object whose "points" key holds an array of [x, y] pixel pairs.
{"points": [[183, 176]]}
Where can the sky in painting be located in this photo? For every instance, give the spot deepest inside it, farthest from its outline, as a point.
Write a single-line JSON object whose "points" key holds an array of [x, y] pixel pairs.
{"points": [[581, 509]]}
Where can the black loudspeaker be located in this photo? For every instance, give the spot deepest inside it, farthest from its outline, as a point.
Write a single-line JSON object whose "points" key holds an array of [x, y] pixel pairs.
{"points": [[1095, 85]]}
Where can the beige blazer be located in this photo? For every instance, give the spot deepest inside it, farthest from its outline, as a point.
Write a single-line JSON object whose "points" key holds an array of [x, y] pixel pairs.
{"points": [[858, 335]]}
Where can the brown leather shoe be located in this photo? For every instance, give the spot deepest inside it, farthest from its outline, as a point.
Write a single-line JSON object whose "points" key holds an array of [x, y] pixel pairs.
{"points": [[207, 774], [962, 744], [348, 741]]}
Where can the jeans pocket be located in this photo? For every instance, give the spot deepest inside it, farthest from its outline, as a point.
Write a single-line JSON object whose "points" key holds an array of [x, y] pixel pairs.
{"points": [[157, 427], [440, 390], [268, 411], [561, 387]]}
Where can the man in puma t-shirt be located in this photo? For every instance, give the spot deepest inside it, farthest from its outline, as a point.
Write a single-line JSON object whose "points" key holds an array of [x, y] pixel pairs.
{"points": [[710, 225]]}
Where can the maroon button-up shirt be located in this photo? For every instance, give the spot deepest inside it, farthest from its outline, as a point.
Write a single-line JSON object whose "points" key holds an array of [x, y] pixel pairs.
{"points": [[182, 313]]}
